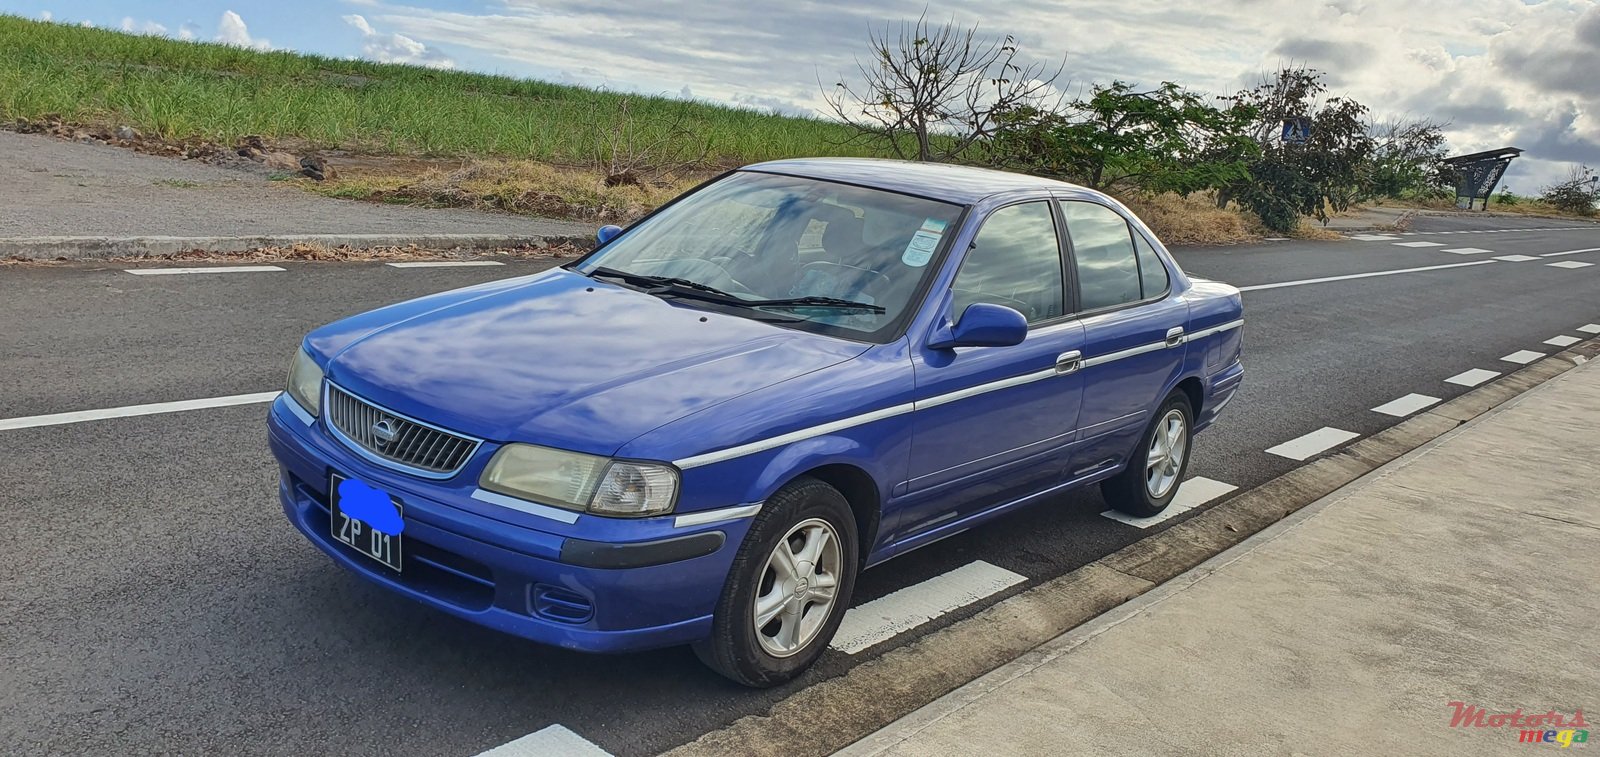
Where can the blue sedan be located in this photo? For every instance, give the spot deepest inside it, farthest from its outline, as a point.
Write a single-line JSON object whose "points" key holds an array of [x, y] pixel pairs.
{"points": [[701, 432]]}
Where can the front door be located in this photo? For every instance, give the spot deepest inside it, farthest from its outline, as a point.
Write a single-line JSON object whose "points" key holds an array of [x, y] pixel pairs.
{"points": [[994, 421]]}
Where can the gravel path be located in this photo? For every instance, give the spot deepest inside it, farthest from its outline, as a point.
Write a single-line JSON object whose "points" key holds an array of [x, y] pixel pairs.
{"points": [[51, 187]]}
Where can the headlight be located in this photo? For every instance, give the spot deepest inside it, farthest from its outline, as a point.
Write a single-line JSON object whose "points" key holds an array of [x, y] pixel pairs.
{"points": [[305, 382], [575, 481]]}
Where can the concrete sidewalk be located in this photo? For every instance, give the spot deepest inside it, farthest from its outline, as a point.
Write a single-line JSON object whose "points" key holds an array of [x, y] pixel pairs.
{"points": [[1462, 572]]}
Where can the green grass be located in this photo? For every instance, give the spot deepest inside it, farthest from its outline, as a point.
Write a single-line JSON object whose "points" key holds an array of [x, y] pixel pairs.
{"points": [[188, 91]]}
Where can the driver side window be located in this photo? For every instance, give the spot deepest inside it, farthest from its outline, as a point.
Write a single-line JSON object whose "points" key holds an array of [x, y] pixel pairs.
{"points": [[1015, 261]]}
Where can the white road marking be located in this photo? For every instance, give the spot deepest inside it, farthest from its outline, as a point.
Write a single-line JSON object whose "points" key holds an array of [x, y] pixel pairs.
{"points": [[56, 419], [1321, 440], [903, 610], [1562, 341], [1523, 357], [1515, 258], [1375, 237], [1325, 279], [1406, 405], [1418, 244], [1191, 494], [1569, 252], [1590, 328], [208, 269], [445, 264], [550, 741], [1570, 264], [1473, 377], [1467, 250]]}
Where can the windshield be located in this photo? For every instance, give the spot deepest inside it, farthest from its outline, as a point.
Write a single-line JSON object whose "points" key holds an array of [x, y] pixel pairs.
{"points": [[767, 241]]}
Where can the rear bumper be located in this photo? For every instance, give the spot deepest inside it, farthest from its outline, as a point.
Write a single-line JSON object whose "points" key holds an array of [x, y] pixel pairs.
{"points": [[578, 590], [1221, 387]]}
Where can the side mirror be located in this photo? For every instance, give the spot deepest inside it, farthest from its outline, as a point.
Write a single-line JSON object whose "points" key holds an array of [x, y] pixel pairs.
{"points": [[607, 233], [983, 325]]}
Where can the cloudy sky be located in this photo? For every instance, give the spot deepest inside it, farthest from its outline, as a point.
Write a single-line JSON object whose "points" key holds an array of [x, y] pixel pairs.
{"points": [[1524, 73]]}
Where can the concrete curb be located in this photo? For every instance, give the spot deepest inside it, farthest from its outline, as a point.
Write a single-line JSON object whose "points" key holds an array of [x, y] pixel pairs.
{"points": [[99, 248], [836, 713]]}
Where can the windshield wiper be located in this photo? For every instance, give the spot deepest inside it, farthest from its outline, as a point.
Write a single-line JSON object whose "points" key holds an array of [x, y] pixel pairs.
{"points": [[665, 282], [813, 301]]}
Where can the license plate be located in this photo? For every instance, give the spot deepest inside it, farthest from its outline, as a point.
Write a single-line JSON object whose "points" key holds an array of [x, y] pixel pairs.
{"points": [[366, 519]]}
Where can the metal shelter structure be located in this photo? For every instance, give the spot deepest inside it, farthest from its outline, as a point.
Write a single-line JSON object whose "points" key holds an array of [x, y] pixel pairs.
{"points": [[1478, 174]]}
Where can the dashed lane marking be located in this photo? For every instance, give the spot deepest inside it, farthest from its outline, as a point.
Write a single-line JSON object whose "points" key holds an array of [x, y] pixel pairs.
{"points": [[887, 616], [1570, 264], [1590, 328], [1467, 250], [1523, 357], [1321, 440], [446, 264], [1191, 494], [80, 416], [1347, 277], [1515, 258], [1562, 341], [1406, 405], [1418, 244], [550, 741], [1569, 252], [208, 269], [1473, 377], [1375, 237]]}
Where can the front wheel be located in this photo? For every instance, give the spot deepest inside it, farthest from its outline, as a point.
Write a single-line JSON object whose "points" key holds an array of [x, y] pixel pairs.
{"points": [[1157, 465], [788, 588]]}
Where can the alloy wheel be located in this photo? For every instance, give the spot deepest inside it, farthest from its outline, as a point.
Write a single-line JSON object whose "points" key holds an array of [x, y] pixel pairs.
{"points": [[798, 588]]}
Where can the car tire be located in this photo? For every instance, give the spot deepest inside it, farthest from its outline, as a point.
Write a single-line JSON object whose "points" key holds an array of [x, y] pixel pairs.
{"points": [[1143, 489], [767, 654]]}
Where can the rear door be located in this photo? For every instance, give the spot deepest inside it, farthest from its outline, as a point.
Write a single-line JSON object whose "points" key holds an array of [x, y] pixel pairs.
{"points": [[1133, 332], [995, 421]]}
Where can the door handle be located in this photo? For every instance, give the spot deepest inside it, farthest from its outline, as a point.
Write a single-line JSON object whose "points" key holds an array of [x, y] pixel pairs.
{"points": [[1174, 336], [1069, 362]]}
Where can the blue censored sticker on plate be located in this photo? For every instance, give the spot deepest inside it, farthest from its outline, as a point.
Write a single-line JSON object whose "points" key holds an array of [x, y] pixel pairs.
{"points": [[920, 249]]}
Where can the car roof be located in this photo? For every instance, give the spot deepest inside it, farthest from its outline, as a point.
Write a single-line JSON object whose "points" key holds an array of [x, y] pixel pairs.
{"points": [[940, 181]]}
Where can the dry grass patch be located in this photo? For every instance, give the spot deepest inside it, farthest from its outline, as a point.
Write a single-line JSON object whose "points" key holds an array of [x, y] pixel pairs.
{"points": [[517, 186], [1193, 220]]}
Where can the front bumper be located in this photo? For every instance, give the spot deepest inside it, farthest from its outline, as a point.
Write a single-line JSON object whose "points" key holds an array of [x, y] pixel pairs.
{"points": [[584, 585]]}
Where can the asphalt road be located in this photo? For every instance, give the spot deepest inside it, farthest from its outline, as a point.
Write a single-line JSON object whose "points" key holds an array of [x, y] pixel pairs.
{"points": [[153, 598]]}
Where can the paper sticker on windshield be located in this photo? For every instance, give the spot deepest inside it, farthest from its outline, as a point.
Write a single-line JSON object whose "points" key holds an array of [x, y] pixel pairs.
{"points": [[920, 249]]}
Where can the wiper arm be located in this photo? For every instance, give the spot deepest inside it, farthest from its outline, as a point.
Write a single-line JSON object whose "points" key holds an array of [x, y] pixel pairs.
{"points": [[813, 301], [659, 281]]}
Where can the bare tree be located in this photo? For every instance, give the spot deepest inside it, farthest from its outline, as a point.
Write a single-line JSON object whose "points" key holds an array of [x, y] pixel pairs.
{"points": [[941, 88]]}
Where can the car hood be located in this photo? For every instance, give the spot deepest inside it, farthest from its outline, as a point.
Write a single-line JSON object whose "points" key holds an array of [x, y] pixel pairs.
{"points": [[563, 360]]}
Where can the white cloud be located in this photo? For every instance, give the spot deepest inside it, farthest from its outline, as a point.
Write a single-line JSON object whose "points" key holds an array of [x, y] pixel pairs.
{"points": [[142, 27], [395, 48], [231, 30], [188, 31], [46, 16]]}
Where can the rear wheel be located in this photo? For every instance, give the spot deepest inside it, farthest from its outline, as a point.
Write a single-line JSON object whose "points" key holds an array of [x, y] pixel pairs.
{"points": [[1158, 464], [788, 588]]}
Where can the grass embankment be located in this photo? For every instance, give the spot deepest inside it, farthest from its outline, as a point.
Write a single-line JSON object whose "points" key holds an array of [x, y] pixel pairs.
{"points": [[400, 133]]}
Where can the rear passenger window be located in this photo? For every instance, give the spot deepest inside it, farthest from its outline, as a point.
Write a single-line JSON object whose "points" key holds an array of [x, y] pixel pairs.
{"points": [[1102, 247], [1152, 272], [1015, 261]]}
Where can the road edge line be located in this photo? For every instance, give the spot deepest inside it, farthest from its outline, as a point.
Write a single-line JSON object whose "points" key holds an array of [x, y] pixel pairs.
{"points": [[843, 710]]}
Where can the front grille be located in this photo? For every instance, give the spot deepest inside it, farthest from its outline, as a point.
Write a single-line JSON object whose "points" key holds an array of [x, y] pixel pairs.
{"points": [[394, 437]]}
